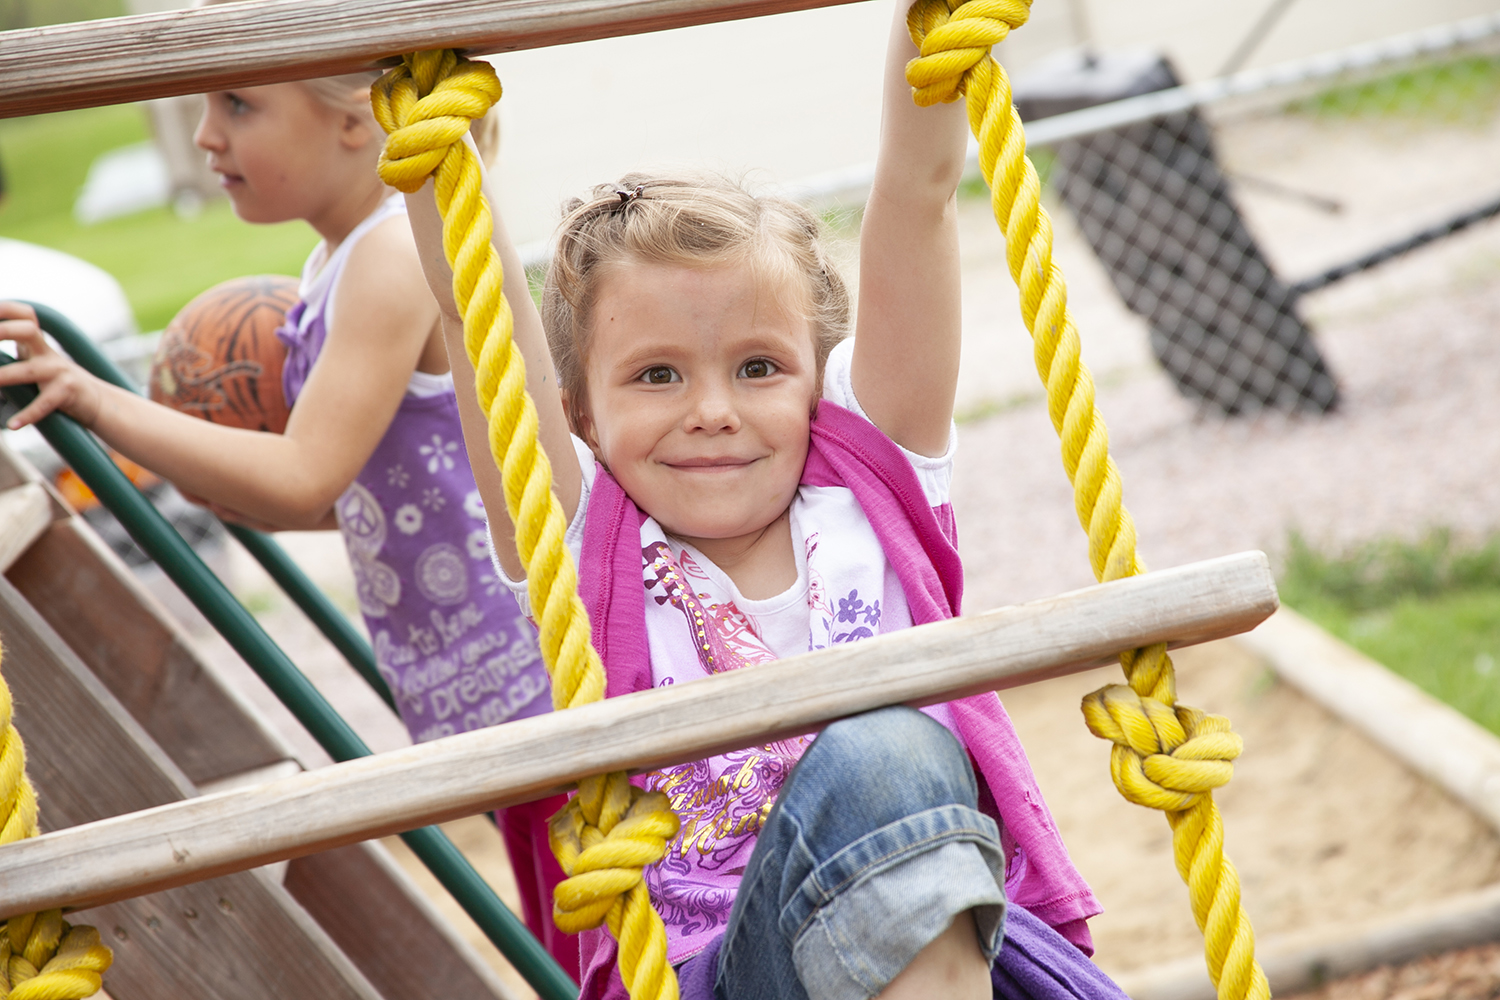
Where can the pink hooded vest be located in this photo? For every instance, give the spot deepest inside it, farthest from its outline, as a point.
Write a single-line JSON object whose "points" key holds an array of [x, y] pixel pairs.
{"points": [[920, 543]]}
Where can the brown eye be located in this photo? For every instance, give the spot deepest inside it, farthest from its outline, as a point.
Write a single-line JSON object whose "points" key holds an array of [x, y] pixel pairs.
{"points": [[659, 375], [757, 368]]}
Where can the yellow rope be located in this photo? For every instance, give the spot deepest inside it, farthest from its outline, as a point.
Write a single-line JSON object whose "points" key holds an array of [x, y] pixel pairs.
{"points": [[1165, 756], [611, 829], [41, 956]]}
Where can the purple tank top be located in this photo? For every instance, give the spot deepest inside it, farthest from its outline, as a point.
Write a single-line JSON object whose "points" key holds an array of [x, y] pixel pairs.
{"points": [[449, 638]]}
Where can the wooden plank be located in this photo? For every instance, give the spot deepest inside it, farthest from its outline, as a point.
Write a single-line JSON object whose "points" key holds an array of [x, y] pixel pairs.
{"points": [[1429, 736], [15, 470], [85, 753], [524, 760], [380, 919], [142, 654], [240, 936], [237, 937], [25, 512], [120, 59]]}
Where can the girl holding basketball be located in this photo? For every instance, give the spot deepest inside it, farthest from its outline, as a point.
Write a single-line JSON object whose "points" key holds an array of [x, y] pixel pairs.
{"points": [[373, 442]]}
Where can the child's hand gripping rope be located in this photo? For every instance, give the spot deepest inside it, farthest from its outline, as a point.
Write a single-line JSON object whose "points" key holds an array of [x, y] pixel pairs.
{"points": [[611, 829], [1165, 757]]}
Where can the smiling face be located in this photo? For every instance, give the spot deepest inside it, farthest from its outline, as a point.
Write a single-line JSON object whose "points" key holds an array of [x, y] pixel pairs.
{"points": [[280, 153], [700, 391]]}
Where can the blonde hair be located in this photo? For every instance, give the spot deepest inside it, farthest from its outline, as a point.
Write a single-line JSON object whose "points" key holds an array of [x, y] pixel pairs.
{"points": [[350, 93], [693, 221]]}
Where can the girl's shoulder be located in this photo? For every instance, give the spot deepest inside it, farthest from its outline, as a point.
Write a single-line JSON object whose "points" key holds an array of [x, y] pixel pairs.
{"points": [[377, 236], [382, 276], [934, 472]]}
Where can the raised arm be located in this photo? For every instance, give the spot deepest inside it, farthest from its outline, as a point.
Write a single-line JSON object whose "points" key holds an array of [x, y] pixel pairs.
{"points": [[907, 332], [541, 378]]}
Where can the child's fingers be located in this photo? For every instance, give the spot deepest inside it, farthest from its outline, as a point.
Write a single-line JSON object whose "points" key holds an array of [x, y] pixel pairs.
{"points": [[16, 310], [61, 385], [25, 332], [23, 372], [50, 398]]}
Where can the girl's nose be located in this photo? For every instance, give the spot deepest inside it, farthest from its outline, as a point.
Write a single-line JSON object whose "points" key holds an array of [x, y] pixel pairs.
{"points": [[208, 136], [713, 410]]}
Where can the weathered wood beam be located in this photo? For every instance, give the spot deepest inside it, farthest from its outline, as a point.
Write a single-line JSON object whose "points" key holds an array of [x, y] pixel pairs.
{"points": [[25, 512], [183, 842], [119, 59]]}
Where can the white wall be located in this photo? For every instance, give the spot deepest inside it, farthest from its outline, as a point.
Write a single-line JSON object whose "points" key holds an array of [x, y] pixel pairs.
{"points": [[783, 96]]}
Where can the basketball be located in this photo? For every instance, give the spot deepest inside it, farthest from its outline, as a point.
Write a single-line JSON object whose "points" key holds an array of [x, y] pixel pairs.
{"points": [[220, 359]]}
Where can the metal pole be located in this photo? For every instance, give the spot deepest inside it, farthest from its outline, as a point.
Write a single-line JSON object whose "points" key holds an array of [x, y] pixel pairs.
{"points": [[1420, 238]]}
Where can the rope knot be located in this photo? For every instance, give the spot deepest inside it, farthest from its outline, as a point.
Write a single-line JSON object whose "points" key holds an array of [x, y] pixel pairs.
{"points": [[954, 38], [603, 838], [1163, 757], [426, 106], [42, 957]]}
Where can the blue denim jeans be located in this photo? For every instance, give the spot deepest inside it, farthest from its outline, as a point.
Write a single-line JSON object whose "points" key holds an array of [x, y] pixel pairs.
{"points": [[874, 846]]}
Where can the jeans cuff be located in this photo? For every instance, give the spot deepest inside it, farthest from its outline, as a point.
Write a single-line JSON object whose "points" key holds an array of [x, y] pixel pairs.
{"points": [[853, 945]]}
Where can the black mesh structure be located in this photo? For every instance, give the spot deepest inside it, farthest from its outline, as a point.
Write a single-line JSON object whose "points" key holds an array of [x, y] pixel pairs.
{"points": [[1155, 207]]}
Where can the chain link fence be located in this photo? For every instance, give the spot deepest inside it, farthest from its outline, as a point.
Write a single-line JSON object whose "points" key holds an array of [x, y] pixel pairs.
{"points": [[1384, 148]]}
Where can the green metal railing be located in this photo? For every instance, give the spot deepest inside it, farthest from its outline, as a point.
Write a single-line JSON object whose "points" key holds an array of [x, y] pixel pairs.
{"points": [[161, 541]]}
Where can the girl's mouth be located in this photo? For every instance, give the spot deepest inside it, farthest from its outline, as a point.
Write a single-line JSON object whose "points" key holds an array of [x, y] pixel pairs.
{"points": [[226, 178], [722, 463]]}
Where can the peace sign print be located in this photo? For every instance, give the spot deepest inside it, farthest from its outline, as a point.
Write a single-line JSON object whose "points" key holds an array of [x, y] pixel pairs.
{"points": [[362, 520]]}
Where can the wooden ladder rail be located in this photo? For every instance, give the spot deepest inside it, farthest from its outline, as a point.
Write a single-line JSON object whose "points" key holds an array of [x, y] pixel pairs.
{"points": [[472, 772], [194, 51]]}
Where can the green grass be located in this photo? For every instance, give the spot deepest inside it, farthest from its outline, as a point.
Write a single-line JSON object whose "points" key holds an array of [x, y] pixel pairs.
{"points": [[31, 13], [1465, 90], [161, 260], [1430, 611]]}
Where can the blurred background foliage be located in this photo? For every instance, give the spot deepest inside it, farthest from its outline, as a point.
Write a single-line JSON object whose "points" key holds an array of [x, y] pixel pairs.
{"points": [[31, 13], [160, 258]]}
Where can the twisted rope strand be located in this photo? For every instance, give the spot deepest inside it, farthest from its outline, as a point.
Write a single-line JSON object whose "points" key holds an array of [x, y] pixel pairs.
{"points": [[42, 957], [610, 830], [1164, 756]]}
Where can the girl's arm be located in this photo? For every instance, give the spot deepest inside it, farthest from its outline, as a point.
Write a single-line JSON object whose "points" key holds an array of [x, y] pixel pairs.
{"points": [[383, 316], [906, 347], [541, 378]]}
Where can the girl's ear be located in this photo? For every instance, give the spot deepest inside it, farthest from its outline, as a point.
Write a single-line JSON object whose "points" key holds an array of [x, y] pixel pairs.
{"points": [[355, 131], [583, 423]]}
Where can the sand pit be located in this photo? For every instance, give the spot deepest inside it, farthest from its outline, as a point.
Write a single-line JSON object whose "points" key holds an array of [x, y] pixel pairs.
{"points": [[1324, 827]]}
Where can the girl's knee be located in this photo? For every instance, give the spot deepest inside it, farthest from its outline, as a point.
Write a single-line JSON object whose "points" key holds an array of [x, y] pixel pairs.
{"points": [[895, 748]]}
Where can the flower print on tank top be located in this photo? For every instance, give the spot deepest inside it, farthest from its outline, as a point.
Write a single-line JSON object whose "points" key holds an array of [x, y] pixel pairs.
{"points": [[721, 801]]}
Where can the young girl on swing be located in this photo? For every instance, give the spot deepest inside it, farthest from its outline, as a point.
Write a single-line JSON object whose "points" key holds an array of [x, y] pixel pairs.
{"points": [[743, 484], [373, 443]]}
